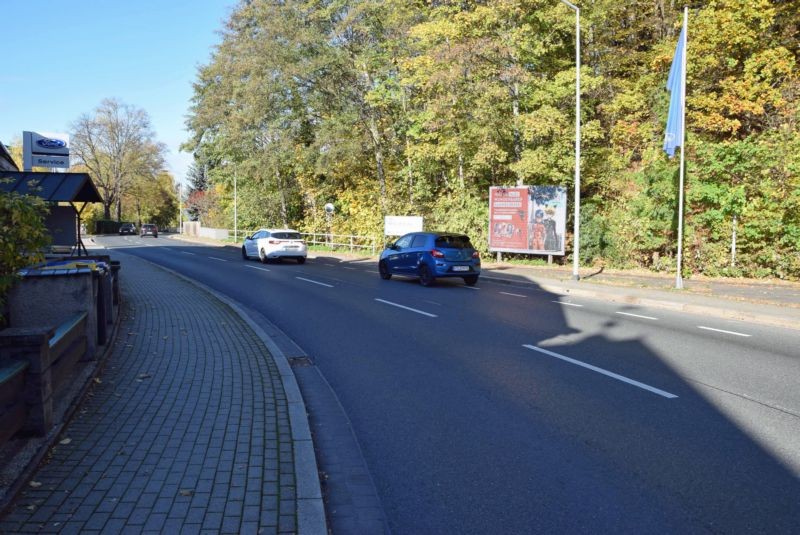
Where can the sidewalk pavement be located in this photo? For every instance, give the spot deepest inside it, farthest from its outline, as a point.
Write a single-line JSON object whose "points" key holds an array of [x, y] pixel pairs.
{"points": [[192, 426]]}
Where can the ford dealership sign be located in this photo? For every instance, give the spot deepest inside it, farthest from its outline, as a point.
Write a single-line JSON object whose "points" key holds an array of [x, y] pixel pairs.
{"points": [[48, 143], [45, 150]]}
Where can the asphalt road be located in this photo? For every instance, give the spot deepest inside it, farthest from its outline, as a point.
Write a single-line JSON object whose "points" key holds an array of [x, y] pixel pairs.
{"points": [[507, 409]]}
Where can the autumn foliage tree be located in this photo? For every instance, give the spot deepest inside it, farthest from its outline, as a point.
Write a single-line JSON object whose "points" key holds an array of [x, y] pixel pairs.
{"points": [[417, 108]]}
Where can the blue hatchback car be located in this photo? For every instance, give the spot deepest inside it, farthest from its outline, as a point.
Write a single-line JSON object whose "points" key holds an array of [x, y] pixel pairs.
{"points": [[429, 255]]}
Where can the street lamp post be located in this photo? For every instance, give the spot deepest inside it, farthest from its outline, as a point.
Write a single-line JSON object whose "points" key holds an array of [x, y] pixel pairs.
{"points": [[577, 229], [235, 209], [180, 207]]}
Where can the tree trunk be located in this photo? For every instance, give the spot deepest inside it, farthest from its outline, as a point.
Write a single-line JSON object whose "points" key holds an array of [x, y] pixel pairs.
{"points": [[284, 215], [461, 169], [378, 152]]}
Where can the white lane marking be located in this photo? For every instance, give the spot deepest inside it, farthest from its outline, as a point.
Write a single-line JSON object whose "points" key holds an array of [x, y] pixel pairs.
{"points": [[315, 282], [256, 267], [372, 271], [637, 316], [215, 258], [607, 373], [186, 252], [346, 267], [723, 331], [471, 288], [407, 308], [568, 304], [514, 295]]}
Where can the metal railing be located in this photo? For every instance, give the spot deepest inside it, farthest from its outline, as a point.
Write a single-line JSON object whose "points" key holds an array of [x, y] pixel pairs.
{"points": [[334, 242], [338, 242]]}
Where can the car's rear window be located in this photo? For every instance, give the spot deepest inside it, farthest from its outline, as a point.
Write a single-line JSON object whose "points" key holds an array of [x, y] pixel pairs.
{"points": [[287, 235], [453, 242]]}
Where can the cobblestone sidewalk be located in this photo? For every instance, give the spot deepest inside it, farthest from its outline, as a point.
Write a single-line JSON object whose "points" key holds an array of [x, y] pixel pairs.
{"points": [[186, 430]]}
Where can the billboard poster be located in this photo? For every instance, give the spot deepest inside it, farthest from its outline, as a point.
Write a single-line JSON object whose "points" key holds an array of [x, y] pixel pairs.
{"points": [[528, 219]]}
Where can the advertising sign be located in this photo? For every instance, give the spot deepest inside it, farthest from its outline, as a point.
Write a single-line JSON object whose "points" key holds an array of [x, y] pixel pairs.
{"points": [[44, 150], [528, 219], [395, 225]]}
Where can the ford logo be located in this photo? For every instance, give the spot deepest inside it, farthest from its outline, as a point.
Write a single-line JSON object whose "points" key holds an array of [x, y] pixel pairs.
{"points": [[47, 143]]}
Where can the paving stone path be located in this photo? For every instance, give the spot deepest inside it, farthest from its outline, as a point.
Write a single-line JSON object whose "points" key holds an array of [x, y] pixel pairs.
{"points": [[186, 430]]}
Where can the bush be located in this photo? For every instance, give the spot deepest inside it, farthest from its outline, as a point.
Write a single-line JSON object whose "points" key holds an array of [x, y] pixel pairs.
{"points": [[23, 236]]}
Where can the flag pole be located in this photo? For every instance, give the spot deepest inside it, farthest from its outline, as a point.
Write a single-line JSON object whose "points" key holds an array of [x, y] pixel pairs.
{"points": [[678, 276]]}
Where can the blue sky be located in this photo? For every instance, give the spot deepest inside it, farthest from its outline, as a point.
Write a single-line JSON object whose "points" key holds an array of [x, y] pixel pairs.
{"points": [[59, 60]]}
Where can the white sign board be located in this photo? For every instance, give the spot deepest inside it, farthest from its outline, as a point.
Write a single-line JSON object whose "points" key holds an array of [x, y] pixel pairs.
{"points": [[44, 150], [396, 225]]}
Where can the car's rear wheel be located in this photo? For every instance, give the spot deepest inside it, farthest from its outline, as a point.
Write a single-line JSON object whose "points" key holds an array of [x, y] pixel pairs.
{"points": [[301, 259], [262, 256], [244, 253], [426, 277], [383, 269], [471, 280]]}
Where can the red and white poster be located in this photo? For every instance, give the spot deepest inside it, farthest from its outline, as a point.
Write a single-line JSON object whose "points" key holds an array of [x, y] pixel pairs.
{"points": [[528, 219]]}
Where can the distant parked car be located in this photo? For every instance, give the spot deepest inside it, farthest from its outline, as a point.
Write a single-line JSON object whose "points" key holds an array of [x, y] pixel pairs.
{"points": [[429, 255], [127, 228], [149, 229], [266, 244]]}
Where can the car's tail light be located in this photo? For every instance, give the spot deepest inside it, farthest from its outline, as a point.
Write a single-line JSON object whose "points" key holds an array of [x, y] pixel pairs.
{"points": [[476, 254], [273, 242], [437, 253]]}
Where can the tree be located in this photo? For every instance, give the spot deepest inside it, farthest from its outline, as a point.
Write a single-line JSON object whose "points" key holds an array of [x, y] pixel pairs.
{"points": [[116, 145]]}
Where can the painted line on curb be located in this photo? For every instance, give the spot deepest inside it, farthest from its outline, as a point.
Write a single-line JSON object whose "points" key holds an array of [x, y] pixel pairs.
{"points": [[567, 304], [258, 268], [723, 331], [514, 295], [607, 373], [315, 282], [407, 308], [637, 315]]}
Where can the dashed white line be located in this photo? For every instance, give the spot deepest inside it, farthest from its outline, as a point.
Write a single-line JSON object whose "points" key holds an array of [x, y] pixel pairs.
{"points": [[723, 331], [514, 295], [407, 308], [637, 316], [315, 282], [568, 304], [215, 258], [607, 373], [347, 267], [471, 288], [259, 268], [187, 252]]}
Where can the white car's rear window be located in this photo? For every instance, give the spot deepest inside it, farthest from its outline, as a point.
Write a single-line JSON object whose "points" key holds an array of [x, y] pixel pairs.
{"points": [[287, 235]]}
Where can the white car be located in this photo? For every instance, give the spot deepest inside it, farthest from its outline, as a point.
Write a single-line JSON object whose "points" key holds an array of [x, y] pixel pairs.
{"points": [[266, 244]]}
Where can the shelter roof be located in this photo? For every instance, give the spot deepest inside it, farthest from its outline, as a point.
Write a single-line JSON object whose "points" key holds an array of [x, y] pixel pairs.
{"points": [[52, 187]]}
